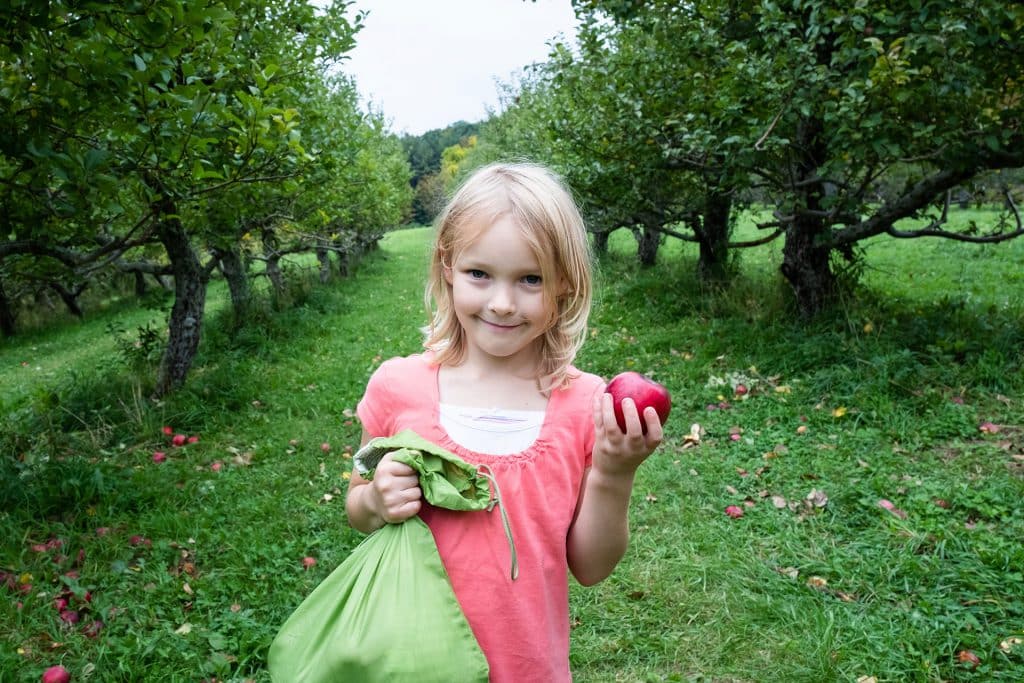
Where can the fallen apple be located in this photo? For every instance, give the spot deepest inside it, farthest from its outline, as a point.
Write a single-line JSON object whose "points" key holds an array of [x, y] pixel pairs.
{"points": [[56, 674], [644, 392]]}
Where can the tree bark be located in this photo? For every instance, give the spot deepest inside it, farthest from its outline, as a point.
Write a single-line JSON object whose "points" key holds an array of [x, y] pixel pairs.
{"points": [[140, 284], [189, 303], [273, 267], [648, 240], [805, 259], [324, 258], [232, 267], [601, 243], [713, 239], [7, 315], [70, 298], [345, 263]]}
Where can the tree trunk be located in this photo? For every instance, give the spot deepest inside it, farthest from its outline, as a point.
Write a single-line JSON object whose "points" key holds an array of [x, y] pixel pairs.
{"points": [[70, 298], [324, 258], [648, 239], [344, 263], [140, 284], [7, 315], [806, 266], [273, 268], [805, 261], [231, 266], [601, 243], [189, 303], [713, 238]]}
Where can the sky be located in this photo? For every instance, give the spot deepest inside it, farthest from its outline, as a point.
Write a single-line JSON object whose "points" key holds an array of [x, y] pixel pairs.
{"points": [[427, 63]]}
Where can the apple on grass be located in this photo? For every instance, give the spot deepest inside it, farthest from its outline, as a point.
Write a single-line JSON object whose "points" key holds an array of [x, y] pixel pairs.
{"points": [[56, 674], [644, 392]]}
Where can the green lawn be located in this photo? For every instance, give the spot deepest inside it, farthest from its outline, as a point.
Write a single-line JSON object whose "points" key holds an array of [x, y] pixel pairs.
{"points": [[193, 563]]}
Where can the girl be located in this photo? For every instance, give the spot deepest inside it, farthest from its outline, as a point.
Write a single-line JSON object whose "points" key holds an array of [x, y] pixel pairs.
{"points": [[510, 293]]}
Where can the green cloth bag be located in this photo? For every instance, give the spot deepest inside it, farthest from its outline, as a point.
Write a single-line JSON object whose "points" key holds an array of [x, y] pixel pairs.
{"points": [[388, 612]]}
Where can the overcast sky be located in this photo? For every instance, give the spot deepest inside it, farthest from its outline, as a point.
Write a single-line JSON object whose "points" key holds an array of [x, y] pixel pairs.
{"points": [[428, 63]]}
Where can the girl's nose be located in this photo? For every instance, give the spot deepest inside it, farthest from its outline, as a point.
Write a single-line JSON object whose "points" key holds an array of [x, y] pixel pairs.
{"points": [[502, 301]]}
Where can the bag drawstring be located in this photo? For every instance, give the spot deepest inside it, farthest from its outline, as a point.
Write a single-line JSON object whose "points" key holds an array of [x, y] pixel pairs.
{"points": [[496, 500]]}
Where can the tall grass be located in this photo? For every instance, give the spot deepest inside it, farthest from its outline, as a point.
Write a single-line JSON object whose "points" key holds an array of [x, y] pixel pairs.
{"points": [[192, 564]]}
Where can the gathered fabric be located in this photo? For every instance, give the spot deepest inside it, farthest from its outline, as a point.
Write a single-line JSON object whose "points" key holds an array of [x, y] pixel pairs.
{"points": [[388, 612]]}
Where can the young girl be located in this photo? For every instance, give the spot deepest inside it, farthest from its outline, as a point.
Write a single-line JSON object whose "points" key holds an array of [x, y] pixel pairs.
{"points": [[510, 290]]}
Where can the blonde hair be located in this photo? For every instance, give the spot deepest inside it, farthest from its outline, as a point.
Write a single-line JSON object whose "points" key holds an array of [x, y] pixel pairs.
{"points": [[538, 202]]}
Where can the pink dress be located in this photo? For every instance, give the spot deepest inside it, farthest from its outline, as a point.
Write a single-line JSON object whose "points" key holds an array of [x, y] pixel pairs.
{"points": [[522, 625]]}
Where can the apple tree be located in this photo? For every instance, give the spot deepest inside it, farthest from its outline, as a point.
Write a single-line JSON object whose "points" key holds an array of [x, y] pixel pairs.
{"points": [[850, 122], [129, 123]]}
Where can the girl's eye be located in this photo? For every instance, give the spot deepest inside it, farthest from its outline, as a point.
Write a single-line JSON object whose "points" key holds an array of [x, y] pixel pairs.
{"points": [[477, 274], [532, 280]]}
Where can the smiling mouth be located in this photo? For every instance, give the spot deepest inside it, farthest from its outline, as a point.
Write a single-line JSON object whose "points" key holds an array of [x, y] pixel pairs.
{"points": [[501, 326]]}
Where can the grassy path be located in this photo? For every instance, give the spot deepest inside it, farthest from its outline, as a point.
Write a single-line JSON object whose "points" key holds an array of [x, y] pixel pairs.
{"points": [[881, 527]]}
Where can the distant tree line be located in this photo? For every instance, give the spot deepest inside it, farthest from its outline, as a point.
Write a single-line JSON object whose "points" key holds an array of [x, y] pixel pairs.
{"points": [[425, 154]]}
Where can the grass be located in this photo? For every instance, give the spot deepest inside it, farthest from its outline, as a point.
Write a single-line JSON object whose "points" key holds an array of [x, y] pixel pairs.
{"points": [[881, 401]]}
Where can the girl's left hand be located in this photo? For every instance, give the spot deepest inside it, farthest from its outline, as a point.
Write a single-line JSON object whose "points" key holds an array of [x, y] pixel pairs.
{"points": [[615, 452]]}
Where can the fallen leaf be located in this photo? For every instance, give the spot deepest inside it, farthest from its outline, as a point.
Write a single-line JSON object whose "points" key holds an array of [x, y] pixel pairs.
{"points": [[817, 582], [867, 679], [968, 657], [817, 498], [1010, 643], [243, 459], [734, 511], [789, 572], [779, 502], [988, 428], [693, 438], [184, 629], [888, 505], [839, 412]]}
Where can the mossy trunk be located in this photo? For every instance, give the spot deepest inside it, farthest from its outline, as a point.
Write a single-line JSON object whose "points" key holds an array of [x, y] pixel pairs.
{"points": [[233, 268], [186, 320]]}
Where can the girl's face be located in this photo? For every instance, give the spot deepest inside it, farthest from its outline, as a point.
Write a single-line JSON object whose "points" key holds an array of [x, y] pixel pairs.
{"points": [[498, 296]]}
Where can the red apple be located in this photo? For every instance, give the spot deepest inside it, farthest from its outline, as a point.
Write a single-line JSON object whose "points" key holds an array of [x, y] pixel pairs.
{"points": [[56, 674], [644, 392]]}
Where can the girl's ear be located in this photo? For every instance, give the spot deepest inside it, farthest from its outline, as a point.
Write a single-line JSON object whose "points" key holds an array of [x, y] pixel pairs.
{"points": [[563, 287], [447, 273]]}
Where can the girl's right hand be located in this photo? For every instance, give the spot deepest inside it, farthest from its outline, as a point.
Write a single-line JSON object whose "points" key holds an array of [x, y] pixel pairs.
{"points": [[394, 493]]}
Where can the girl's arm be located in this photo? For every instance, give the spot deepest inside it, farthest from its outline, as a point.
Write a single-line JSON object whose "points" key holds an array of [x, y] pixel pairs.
{"points": [[391, 497], [599, 533]]}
